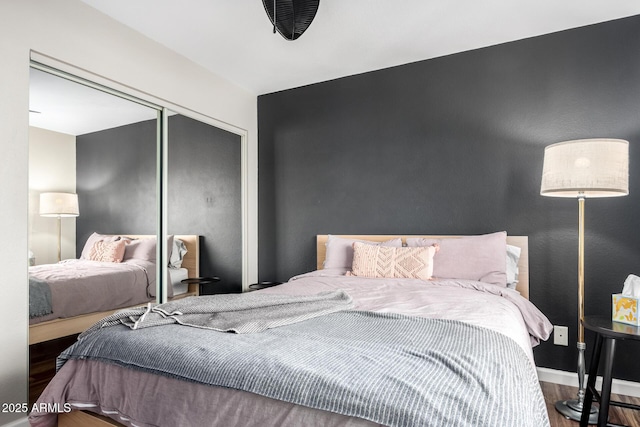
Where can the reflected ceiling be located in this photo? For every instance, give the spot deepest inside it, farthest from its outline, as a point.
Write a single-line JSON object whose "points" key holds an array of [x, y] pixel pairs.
{"points": [[68, 107]]}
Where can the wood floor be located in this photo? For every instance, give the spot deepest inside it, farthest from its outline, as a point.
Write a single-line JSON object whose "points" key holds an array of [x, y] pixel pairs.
{"points": [[42, 364], [620, 416]]}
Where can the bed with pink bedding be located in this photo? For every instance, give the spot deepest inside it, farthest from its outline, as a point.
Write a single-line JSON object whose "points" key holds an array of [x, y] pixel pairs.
{"points": [[80, 286], [113, 272], [406, 351]]}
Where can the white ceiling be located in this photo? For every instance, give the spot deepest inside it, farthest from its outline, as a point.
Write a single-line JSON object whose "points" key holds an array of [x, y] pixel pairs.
{"points": [[67, 107], [234, 39]]}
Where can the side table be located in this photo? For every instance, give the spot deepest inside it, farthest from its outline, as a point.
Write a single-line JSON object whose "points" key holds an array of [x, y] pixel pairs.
{"points": [[263, 285], [607, 332], [201, 282]]}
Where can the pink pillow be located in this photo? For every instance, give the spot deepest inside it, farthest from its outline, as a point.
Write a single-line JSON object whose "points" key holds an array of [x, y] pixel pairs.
{"points": [[481, 258], [340, 250], [392, 262], [107, 251], [95, 237], [144, 249]]}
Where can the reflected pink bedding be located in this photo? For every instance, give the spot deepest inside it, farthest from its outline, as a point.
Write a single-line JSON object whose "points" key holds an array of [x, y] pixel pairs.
{"points": [[83, 286]]}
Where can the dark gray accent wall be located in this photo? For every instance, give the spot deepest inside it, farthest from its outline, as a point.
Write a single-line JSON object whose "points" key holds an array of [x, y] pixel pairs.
{"points": [[116, 185], [454, 145], [204, 192], [116, 181]]}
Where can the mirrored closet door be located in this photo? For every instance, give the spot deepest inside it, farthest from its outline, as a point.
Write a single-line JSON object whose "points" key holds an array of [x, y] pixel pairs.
{"points": [[132, 169], [204, 197], [96, 150]]}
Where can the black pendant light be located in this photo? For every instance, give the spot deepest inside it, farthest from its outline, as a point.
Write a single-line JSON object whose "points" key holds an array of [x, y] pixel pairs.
{"points": [[291, 17]]}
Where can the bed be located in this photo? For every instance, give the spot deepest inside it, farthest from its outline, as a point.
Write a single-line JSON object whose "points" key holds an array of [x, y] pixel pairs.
{"points": [[82, 291], [387, 351]]}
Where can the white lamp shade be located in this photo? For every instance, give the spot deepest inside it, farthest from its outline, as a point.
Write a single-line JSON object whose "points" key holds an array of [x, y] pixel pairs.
{"points": [[586, 167], [59, 204]]}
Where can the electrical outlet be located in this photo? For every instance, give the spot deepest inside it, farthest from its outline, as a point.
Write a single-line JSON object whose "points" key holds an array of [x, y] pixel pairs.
{"points": [[561, 335]]}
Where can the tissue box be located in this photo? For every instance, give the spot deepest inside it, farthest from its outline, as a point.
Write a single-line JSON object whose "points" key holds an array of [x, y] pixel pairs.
{"points": [[625, 309]]}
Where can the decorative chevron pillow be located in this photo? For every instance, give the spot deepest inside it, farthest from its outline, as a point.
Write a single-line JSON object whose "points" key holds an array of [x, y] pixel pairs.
{"points": [[107, 251], [385, 261]]}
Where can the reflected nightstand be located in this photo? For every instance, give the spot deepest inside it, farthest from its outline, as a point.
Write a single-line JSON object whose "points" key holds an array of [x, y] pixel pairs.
{"points": [[202, 282], [263, 285]]}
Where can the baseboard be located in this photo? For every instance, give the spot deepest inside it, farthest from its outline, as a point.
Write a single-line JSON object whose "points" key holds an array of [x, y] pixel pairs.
{"points": [[625, 388], [22, 422]]}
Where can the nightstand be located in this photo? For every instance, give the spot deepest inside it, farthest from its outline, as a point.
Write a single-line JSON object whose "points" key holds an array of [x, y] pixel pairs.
{"points": [[202, 282], [263, 285], [607, 332]]}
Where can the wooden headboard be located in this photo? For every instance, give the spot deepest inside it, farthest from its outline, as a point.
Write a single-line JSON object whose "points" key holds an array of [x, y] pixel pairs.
{"points": [[191, 260], [520, 241]]}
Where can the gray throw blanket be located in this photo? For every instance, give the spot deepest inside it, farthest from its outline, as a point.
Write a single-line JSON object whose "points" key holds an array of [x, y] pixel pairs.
{"points": [[39, 298], [240, 313], [388, 368]]}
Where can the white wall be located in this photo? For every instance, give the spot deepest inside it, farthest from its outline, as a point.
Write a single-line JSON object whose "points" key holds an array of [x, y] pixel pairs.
{"points": [[71, 32], [52, 167]]}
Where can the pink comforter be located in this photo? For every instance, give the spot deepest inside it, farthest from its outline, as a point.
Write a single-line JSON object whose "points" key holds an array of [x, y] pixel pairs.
{"points": [[83, 286], [477, 303], [123, 394]]}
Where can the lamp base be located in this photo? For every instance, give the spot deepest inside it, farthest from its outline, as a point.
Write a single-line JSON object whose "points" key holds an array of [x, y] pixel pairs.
{"points": [[572, 410]]}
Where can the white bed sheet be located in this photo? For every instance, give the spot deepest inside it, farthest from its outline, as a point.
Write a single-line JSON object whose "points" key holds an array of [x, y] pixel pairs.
{"points": [[176, 275]]}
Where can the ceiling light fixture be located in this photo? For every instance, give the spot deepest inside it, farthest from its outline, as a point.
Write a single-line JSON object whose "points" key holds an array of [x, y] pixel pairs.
{"points": [[291, 18]]}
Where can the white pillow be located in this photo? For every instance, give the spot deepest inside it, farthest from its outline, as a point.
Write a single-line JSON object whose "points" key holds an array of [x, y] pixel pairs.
{"points": [[177, 254], [513, 256]]}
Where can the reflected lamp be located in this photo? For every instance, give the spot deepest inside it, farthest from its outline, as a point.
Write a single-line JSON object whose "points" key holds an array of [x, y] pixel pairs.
{"points": [[59, 205]]}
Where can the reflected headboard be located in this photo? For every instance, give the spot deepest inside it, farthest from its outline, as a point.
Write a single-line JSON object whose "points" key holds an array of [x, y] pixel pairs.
{"points": [[191, 260], [520, 241]]}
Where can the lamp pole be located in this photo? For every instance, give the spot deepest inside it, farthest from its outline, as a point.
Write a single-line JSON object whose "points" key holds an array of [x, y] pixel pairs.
{"points": [[581, 344], [59, 238], [572, 409]]}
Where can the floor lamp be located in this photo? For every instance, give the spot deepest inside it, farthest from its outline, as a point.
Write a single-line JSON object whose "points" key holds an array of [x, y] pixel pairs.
{"points": [[585, 168], [59, 205]]}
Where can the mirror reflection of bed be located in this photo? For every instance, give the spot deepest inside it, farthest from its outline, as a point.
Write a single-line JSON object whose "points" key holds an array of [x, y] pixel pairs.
{"points": [[47, 338], [103, 148], [62, 113], [68, 297]]}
